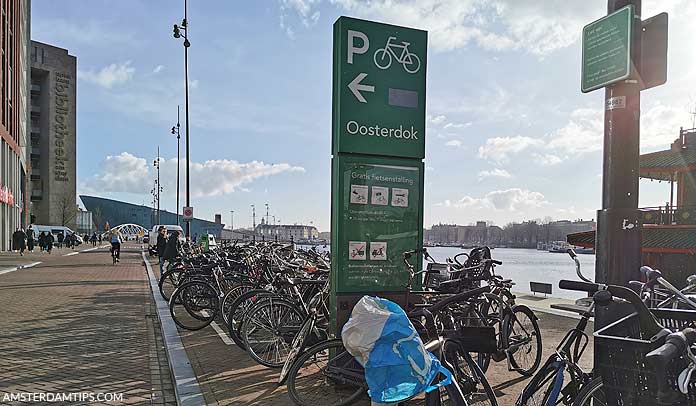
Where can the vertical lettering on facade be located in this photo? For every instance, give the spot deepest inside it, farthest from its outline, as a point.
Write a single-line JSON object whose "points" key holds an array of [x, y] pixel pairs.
{"points": [[61, 123]]}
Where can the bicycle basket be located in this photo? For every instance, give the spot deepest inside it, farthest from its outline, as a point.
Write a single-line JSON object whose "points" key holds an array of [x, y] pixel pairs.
{"points": [[474, 338], [620, 359], [440, 277]]}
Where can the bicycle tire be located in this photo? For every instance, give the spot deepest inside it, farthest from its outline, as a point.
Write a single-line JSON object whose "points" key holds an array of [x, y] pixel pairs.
{"points": [[206, 301], [269, 329], [386, 53], [471, 379], [321, 383], [174, 281], [237, 310], [539, 389], [229, 298], [298, 344], [509, 330], [591, 393]]}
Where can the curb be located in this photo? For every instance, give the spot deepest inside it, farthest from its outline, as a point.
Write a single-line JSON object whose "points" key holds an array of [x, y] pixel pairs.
{"points": [[186, 388]]}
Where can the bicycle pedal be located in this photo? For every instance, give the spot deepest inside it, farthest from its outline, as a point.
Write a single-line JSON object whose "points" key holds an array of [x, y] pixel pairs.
{"points": [[498, 356]]}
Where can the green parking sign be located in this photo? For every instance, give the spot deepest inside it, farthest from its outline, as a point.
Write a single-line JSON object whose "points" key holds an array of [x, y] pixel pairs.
{"points": [[379, 89]]}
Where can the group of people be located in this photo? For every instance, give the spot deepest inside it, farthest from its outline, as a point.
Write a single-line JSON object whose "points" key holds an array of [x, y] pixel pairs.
{"points": [[26, 240], [167, 246]]}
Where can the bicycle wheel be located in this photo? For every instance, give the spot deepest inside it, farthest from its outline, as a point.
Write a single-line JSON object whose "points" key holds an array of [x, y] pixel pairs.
{"points": [[238, 309], [471, 379], [169, 281], [382, 58], [298, 344], [194, 305], [230, 297], [522, 340], [412, 63], [326, 375], [591, 394], [543, 387], [268, 330]]}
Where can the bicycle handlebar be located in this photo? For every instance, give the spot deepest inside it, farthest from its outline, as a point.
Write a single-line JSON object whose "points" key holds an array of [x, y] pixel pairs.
{"points": [[648, 324], [659, 360]]}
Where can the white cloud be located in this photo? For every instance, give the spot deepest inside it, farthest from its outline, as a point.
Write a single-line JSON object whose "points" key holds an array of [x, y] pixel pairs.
{"points": [[158, 69], [659, 125], [514, 199], [129, 173], [583, 133], [494, 173], [539, 27], [456, 125], [453, 143], [108, 76], [499, 148], [547, 159], [436, 120], [304, 9]]}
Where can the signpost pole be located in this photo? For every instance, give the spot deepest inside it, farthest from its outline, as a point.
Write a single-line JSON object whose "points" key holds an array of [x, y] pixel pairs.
{"points": [[618, 232]]}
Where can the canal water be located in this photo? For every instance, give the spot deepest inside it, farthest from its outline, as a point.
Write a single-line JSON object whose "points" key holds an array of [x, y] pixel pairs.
{"points": [[529, 265]]}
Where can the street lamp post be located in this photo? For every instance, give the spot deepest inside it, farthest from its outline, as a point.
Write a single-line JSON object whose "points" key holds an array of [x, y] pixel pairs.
{"points": [[158, 186], [182, 31], [177, 131], [232, 220]]}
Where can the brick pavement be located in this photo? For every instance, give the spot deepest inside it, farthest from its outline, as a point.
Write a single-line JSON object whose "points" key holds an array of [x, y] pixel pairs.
{"points": [[79, 324]]}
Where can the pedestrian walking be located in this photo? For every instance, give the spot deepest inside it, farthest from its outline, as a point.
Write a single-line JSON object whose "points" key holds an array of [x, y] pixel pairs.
{"points": [[93, 239], [171, 251], [42, 241], [161, 246], [18, 240], [70, 241], [61, 238], [99, 237], [49, 242], [30, 239]]}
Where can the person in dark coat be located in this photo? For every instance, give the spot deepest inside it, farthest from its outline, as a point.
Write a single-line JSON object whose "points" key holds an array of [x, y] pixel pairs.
{"points": [[171, 251], [161, 246], [61, 238], [49, 242], [30, 239], [18, 240], [93, 239]]}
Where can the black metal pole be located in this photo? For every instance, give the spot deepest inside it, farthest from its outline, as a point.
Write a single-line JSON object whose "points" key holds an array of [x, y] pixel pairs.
{"points": [[188, 149], [159, 220], [178, 144], [618, 232]]}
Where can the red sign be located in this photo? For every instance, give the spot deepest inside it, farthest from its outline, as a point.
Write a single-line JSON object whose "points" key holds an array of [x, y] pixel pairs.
{"points": [[6, 196]]}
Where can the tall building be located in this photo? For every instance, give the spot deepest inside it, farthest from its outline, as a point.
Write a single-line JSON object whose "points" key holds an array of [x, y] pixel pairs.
{"points": [[14, 29], [53, 135]]}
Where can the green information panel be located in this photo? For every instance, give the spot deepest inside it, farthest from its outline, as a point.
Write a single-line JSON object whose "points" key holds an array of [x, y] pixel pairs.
{"points": [[378, 210], [378, 89], [606, 49]]}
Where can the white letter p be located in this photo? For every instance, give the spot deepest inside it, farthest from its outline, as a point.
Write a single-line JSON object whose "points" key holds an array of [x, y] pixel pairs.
{"points": [[352, 49]]}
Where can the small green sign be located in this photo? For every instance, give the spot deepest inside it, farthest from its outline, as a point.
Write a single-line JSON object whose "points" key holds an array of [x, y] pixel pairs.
{"points": [[606, 49], [378, 89], [378, 212]]}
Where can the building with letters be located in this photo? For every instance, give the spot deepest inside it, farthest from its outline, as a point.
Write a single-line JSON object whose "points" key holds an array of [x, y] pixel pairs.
{"points": [[53, 135], [14, 37]]}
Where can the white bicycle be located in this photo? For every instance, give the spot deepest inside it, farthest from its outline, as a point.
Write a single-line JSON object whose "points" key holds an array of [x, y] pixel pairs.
{"points": [[383, 56]]}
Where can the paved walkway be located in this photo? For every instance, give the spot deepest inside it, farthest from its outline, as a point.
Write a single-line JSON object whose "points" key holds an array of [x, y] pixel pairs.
{"points": [[77, 323]]}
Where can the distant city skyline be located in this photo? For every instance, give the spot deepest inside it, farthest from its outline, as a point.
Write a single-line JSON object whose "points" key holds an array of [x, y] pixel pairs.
{"points": [[501, 145]]}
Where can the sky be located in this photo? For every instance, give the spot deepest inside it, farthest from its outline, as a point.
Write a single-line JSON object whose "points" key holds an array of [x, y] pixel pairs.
{"points": [[509, 135]]}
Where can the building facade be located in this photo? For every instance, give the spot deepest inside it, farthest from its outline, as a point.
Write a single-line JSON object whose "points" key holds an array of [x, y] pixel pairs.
{"points": [[14, 30], [116, 213], [286, 232], [53, 145]]}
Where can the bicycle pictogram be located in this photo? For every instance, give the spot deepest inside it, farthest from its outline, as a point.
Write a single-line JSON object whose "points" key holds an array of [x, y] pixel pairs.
{"points": [[383, 56]]}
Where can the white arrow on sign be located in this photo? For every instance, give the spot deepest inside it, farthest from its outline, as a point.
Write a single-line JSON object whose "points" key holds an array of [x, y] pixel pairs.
{"points": [[356, 87]]}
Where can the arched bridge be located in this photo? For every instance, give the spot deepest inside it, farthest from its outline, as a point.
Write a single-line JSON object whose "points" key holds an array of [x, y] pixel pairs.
{"points": [[130, 230]]}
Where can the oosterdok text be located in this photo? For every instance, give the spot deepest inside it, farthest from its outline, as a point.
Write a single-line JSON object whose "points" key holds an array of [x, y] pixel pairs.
{"points": [[354, 128]]}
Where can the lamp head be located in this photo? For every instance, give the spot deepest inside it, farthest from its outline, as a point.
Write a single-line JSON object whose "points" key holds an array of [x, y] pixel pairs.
{"points": [[177, 33], [173, 130]]}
